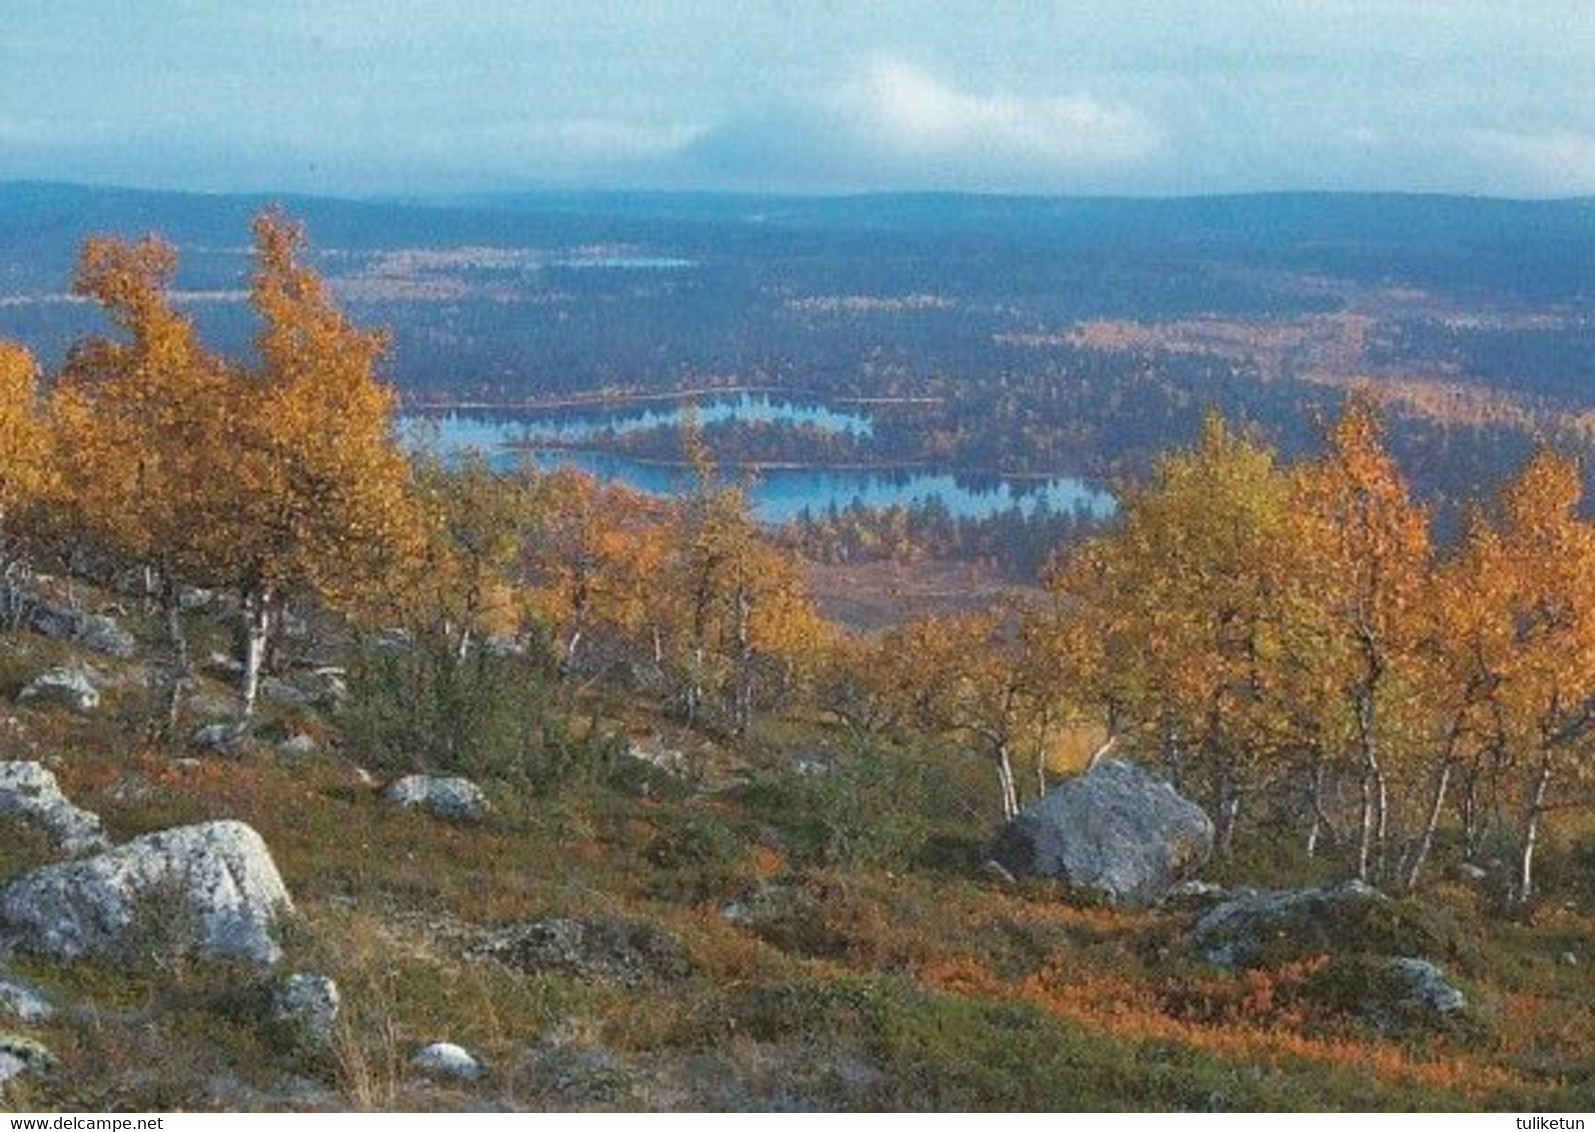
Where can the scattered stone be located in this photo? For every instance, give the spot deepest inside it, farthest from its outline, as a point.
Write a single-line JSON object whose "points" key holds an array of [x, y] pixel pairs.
{"points": [[658, 756], [214, 884], [1425, 989], [456, 799], [1473, 872], [22, 1001], [227, 737], [274, 690], [445, 1059], [74, 686], [224, 665], [19, 1055], [306, 1005], [812, 764], [327, 685], [629, 952], [193, 597], [298, 745], [98, 634], [29, 791], [1116, 830]]}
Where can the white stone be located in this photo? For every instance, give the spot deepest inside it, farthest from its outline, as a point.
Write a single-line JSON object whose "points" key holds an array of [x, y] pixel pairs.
{"points": [[445, 1059]]}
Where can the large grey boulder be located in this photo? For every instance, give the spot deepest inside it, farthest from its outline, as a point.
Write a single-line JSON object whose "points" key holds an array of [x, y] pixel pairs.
{"points": [[28, 791], [72, 685], [458, 799], [99, 634], [1116, 829], [213, 886]]}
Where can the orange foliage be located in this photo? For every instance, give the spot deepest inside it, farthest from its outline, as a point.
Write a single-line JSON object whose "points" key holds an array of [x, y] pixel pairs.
{"points": [[1135, 1011]]}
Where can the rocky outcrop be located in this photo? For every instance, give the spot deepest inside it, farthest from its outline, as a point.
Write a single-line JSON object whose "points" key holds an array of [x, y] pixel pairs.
{"points": [[457, 799], [445, 1059], [1241, 930], [214, 887], [1115, 830], [28, 792], [73, 685], [91, 631], [630, 952]]}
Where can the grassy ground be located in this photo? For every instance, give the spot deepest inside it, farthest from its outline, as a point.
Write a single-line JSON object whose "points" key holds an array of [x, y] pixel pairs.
{"points": [[842, 950]]}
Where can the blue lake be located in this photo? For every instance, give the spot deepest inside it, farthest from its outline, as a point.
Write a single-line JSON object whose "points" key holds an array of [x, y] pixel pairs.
{"points": [[778, 494]]}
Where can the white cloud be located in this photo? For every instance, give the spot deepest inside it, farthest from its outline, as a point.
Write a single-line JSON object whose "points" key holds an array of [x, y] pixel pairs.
{"points": [[1561, 162], [899, 106]]}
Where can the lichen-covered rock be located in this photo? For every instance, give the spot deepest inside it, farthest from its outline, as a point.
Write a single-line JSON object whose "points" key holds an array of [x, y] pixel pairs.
{"points": [[98, 634], [1116, 830], [445, 1059], [1242, 929], [1425, 989], [225, 737], [19, 1055], [629, 952], [22, 1001], [28, 792], [457, 799], [75, 686], [306, 1005], [216, 882]]}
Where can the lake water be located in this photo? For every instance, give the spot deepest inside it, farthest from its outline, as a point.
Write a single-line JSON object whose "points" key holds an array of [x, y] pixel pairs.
{"points": [[778, 494]]}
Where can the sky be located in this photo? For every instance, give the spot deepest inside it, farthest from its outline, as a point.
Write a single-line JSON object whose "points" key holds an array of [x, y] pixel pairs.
{"points": [[1128, 97]]}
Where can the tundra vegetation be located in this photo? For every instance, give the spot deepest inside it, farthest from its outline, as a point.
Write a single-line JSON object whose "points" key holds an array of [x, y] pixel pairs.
{"points": [[770, 826]]}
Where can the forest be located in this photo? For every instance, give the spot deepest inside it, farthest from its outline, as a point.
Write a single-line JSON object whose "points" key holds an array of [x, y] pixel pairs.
{"points": [[1287, 639], [1351, 690]]}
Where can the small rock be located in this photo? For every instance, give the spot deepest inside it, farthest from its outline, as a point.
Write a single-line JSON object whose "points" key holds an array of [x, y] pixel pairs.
{"points": [[1569, 959], [306, 1005], [75, 686], [223, 738], [23, 1001], [99, 634], [813, 764], [29, 791], [297, 746], [281, 692], [445, 1059], [457, 799], [1472, 872], [1426, 990], [327, 686], [19, 1055]]}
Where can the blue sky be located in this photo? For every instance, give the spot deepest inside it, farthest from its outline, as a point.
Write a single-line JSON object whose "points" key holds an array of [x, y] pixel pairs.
{"points": [[1090, 96]]}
